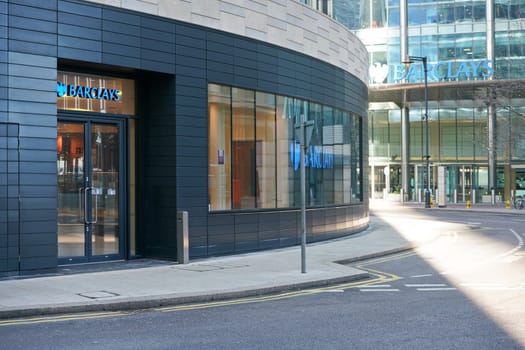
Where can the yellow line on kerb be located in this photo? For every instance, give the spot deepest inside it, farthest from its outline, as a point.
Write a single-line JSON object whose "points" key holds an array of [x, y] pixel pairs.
{"points": [[60, 318], [378, 277]]}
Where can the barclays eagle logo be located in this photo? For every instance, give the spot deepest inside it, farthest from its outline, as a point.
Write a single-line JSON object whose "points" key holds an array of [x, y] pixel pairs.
{"points": [[378, 72], [61, 89]]}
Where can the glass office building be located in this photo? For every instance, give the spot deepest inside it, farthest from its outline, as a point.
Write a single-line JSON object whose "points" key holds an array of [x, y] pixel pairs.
{"points": [[475, 50]]}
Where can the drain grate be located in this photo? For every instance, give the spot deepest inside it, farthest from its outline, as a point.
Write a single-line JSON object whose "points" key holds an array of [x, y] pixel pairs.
{"points": [[98, 294]]}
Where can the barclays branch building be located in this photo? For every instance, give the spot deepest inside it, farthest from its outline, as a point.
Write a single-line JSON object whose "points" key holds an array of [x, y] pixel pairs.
{"points": [[475, 50], [115, 118]]}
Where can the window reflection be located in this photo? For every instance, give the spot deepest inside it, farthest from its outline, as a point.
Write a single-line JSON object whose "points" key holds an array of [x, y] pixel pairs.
{"points": [[262, 168]]}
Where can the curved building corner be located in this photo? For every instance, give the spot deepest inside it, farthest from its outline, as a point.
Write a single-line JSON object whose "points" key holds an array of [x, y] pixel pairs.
{"points": [[113, 120]]}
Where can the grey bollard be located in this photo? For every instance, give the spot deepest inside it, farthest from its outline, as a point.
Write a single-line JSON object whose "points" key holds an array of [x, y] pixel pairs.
{"points": [[182, 237]]}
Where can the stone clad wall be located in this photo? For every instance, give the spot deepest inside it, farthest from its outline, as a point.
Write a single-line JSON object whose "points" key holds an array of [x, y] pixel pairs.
{"points": [[285, 23]]}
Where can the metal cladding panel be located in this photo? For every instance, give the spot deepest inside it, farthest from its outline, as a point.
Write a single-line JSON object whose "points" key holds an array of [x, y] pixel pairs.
{"points": [[9, 205], [85, 12], [31, 79]]}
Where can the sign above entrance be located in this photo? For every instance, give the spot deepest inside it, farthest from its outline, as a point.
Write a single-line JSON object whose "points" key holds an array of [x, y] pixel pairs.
{"points": [[87, 92], [81, 92], [446, 70], [437, 71]]}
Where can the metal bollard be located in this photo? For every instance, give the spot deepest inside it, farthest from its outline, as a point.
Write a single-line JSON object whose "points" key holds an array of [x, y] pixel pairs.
{"points": [[182, 237]]}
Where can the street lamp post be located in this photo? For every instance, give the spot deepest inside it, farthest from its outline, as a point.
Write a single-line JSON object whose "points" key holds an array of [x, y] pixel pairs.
{"points": [[423, 59], [305, 128]]}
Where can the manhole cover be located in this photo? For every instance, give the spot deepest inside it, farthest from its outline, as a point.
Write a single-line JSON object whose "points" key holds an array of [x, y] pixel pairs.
{"points": [[206, 268], [198, 268]]}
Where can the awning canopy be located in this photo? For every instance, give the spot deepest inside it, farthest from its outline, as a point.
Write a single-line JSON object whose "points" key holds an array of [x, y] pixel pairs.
{"points": [[472, 94]]}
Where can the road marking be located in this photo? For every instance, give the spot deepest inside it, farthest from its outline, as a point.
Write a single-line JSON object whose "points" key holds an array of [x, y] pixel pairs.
{"points": [[435, 289], [427, 285], [488, 286], [379, 286], [481, 284], [520, 240], [379, 290], [382, 259], [491, 259], [495, 288], [420, 276]]}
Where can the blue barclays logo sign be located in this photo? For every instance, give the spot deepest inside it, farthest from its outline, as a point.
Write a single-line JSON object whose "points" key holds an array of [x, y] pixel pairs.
{"points": [[96, 93], [316, 157], [445, 70]]}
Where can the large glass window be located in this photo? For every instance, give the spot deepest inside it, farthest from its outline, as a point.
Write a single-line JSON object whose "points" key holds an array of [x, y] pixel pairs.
{"points": [[394, 121], [503, 135], [265, 148], [347, 12], [480, 134], [287, 157], [379, 138], [328, 148], [518, 130], [243, 149], [447, 134], [466, 135], [315, 173], [254, 151], [353, 145], [219, 149], [416, 134]]}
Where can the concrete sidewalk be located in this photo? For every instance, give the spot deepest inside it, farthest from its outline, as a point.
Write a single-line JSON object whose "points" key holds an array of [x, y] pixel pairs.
{"points": [[213, 278]]}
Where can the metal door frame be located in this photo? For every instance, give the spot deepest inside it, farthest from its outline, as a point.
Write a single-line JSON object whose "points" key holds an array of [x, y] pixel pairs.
{"points": [[120, 122]]}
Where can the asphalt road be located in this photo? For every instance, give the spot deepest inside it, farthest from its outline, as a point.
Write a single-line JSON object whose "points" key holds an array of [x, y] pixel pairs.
{"points": [[465, 290]]}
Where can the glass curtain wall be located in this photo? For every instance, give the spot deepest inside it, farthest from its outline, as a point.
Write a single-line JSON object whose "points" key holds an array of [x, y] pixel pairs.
{"points": [[452, 35], [510, 39], [254, 151]]}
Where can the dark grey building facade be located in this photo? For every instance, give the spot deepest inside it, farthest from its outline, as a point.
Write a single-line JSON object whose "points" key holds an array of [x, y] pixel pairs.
{"points": [[105, 135]]}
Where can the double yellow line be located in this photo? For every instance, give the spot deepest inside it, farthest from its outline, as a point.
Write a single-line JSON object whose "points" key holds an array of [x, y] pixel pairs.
{"points": [[61, 318], [378, 277]]}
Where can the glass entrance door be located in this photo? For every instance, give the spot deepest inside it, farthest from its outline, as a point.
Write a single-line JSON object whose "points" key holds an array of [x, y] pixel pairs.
{"points": [[89, 191]]}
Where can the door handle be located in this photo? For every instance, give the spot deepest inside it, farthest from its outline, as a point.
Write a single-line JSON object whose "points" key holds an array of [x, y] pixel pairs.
{"points": [[80, 207], [94, 206], [86, 190]]}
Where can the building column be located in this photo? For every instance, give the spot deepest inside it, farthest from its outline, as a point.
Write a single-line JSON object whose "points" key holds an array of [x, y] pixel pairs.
{"points": [[491, 109], [403, 28], [492, 156], [405, 149]]}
